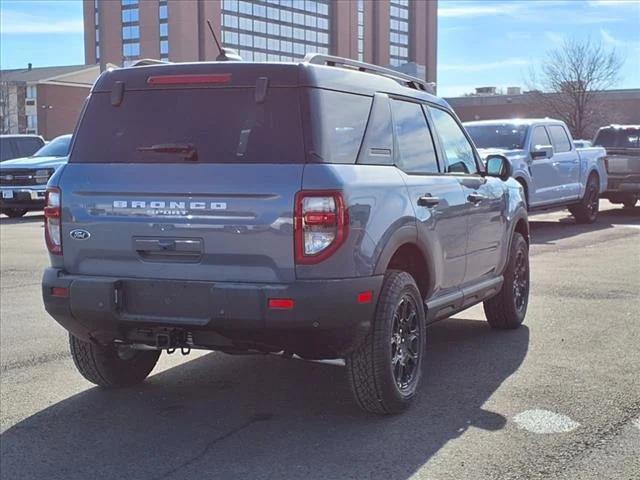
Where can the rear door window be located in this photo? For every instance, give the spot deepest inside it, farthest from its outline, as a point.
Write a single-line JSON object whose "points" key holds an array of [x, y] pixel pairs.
{"points": [[337, 124], [618, 138], [416, 152], [223, 125], [457, 149], [560, 138]]}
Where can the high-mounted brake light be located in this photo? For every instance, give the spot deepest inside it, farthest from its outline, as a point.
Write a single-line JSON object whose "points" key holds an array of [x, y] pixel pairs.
{"points": [[52, 220], [189, 79], [320, 225]]}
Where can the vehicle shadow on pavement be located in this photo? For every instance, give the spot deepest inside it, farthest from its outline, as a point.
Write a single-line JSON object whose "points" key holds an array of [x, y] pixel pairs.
{"points": [[547, 232], [28, 219], [266, 417]]}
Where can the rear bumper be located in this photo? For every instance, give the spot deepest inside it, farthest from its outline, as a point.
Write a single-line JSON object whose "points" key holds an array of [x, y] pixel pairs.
{"points": [[326, 320], [623, 184], [31, 198]]}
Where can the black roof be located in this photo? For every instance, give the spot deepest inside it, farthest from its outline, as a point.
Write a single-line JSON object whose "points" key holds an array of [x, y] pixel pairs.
{"points": [[300, 74]]}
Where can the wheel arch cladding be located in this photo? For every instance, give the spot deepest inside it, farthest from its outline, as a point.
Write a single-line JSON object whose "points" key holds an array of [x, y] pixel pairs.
{"points": [[409, 258]]}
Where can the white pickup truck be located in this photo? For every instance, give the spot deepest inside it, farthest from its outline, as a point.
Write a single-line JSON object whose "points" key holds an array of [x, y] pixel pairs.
{"points": [[552, 171]]}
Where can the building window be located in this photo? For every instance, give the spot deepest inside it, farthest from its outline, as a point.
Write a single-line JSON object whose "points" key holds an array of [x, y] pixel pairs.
{"points": [[361, 30], [398, 32], [130, 31], [163, 15], [96, 12], [32, 122], [31, 92], [263, 31]]}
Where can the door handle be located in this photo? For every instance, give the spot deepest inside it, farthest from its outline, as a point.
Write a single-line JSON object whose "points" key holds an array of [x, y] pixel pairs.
{"points": [[428, 201], [475, 198]]}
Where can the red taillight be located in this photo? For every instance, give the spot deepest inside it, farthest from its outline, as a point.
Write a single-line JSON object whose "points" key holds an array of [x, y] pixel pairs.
{"points": [[189, 79], [320, 224], [52, 220], [281, 303], [60, 292]]}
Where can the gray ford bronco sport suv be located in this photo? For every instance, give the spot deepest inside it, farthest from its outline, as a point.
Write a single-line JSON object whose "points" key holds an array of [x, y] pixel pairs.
{"points": [[326, 208]]}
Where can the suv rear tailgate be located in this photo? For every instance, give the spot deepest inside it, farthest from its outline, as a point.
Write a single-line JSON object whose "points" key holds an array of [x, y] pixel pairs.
{"points": [[209, 222]]}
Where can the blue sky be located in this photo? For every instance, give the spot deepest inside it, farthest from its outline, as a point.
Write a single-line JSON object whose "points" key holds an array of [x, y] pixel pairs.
{"points": [[480, 42]]}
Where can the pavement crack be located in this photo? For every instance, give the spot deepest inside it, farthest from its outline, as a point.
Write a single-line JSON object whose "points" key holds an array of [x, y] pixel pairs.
{"points": [[259, 417], [33, 362]]}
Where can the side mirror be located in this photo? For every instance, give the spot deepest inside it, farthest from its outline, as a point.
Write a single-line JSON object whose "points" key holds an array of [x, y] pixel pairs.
{"points": [[499, 166], [541, 151]]}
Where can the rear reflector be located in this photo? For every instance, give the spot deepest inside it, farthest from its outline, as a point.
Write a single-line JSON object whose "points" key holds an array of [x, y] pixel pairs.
{"points": [[189, 79], [60, 292], [365, 297], [281, 303]]}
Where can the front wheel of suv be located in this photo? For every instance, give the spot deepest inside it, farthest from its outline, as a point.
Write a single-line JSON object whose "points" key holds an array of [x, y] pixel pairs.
{"points": [[508, 308], [112, 366], [384, 372]]}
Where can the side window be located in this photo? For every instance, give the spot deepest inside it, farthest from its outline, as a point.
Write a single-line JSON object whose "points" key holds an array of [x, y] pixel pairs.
{"points": [[560, 138], [417, 153], [539, 137], [457, 149]]}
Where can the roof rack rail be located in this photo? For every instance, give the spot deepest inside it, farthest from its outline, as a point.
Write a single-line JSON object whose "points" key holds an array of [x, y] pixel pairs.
{"points": [[402, 78], [148, 61]]}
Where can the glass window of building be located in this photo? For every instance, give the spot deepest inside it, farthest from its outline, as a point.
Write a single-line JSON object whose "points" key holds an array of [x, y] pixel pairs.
{"points": [[361, 30], [96, 11], [263, 31], [130, 31], [31, 92], [163, 16], [398, 32]]}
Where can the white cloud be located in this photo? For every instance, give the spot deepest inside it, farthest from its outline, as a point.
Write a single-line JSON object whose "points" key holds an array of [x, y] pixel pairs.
{"points": [[17, 23], [473, 9], [553, 37], [480, 67], [614, 3], [610, 39]]}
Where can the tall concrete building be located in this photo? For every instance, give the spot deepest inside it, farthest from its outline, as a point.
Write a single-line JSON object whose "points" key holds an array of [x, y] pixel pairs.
{"points": [[400, 33]]}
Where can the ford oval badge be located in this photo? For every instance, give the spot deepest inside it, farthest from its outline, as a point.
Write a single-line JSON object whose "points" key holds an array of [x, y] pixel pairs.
{"points": [[79, 234]]}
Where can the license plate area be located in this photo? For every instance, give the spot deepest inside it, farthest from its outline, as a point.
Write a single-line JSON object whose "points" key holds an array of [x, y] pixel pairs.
{"points": [[7, 194], [175, 301]]}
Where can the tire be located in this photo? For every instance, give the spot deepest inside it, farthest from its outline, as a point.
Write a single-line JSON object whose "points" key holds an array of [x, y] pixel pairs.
{"points": [[587, 210], [508, 308], [384, 372], [109, 368], [630, 201], [14, 212]]}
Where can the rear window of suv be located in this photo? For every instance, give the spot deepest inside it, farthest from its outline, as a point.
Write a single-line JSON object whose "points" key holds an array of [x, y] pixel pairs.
{"points": [[223, 125]]}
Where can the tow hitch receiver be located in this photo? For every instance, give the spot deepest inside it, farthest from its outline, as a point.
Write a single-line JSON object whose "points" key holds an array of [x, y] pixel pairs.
{"points": [[171, 340]]}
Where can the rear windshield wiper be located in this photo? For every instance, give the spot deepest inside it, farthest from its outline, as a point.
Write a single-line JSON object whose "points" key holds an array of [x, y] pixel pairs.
{"points": [[185, 150]]}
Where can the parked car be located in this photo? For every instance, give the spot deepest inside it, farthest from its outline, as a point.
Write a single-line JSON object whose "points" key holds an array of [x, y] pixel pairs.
{"points": [[552, 171], [328, 208], [23, 181], [623, 162], [16, 146], [582, 143]]}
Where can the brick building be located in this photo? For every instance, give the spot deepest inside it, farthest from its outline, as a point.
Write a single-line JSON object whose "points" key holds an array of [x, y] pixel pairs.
{"points": [[46, 101], [401, 33], [614, 106]]}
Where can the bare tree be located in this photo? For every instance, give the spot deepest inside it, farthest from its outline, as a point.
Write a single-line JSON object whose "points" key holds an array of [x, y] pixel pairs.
{"points": [[568, 79], [5, 108]]}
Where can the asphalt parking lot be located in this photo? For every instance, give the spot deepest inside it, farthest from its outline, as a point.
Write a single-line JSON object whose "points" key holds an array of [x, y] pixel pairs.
{"points": [[558, 398]]}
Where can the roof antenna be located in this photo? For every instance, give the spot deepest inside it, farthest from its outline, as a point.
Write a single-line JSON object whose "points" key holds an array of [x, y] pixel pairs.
{"points": [[226, 54]]}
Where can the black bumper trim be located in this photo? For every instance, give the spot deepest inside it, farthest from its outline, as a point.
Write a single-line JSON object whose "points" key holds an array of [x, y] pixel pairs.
{"points": [[326, 320]]}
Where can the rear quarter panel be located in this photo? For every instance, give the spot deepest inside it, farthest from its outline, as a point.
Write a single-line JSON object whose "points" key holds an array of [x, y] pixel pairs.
{"points": [[378, 206]]}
